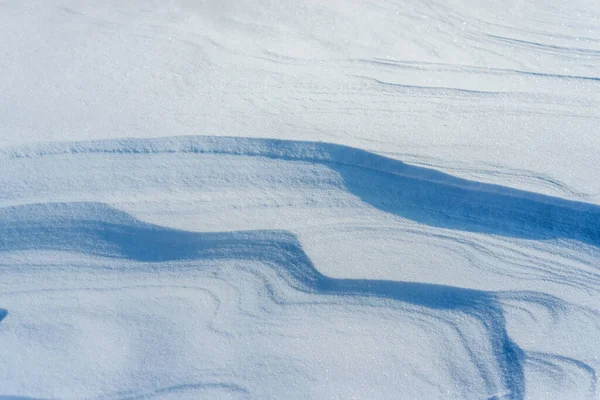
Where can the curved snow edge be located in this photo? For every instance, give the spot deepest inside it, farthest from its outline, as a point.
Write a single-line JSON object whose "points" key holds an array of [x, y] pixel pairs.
{"points": [[316, 152]]}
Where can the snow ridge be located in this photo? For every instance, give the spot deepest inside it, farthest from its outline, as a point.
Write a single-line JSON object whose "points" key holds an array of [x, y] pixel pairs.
{"points": [[271, 319], [433, 197]]}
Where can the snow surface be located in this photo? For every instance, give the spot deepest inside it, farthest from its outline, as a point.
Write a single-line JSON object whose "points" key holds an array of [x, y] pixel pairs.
{"points": [[307, 199]]}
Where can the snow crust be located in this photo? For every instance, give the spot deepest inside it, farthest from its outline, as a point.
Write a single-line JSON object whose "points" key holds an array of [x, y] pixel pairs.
{"points": [[307, 199]]}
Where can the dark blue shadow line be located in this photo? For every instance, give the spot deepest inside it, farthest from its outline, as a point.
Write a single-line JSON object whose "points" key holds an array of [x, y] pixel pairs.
{"points": [[8, 397], [189, 387]]}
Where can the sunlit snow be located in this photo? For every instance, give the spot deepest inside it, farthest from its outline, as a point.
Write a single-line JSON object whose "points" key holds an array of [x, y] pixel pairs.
{"points": [[299, 199]]}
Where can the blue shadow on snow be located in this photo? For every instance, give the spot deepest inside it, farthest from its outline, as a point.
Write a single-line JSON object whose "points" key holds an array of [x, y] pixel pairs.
{"points": [[99, 230]]}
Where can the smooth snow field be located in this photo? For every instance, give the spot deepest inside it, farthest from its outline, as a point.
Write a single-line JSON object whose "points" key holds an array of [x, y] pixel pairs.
{"points": [[308, 199]]}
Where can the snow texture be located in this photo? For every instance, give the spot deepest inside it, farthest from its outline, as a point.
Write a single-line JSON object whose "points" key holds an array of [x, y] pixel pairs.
{"points": [[308, 199]]}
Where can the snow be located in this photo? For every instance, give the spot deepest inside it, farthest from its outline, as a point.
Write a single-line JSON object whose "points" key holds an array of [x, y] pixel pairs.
{"points": [[309, 199]]}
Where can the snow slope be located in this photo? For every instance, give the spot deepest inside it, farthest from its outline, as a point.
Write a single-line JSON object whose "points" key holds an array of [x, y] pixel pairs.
{"points": [[503, 92], [310, 199], [163, 310]]}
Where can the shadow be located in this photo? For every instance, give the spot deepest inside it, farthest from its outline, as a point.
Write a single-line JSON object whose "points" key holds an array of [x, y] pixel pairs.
{"points": [[190, 387], [3, 314], [99, 230], [18, 398], [435, 198], [462, 205], [421, 194]]}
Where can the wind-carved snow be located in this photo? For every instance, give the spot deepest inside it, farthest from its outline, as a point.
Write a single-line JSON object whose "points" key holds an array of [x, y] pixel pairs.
{"points": [[391, 199], [341, 273]]}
